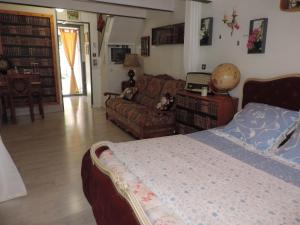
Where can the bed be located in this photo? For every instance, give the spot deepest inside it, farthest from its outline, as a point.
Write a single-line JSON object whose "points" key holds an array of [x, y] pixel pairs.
{"points": [[201, 178], [11, 183]]}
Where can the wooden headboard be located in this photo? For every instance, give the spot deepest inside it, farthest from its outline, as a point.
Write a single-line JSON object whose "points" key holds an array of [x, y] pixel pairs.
{"points": [[283, 91]]}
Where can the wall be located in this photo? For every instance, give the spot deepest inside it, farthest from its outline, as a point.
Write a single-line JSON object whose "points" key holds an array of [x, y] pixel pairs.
{"points": [[119, 31], [30, 9], [282, 48], [165, 58], [282, 45]]}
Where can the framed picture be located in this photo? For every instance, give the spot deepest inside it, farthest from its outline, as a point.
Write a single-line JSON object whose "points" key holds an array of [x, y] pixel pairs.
{"points": [[145, 46], [166, 35], [72, 15], [206, 31], [257, 36]]}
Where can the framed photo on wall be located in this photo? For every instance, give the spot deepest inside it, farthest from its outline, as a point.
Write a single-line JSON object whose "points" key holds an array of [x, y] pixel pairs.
{"points": [[257, 36], [206, 31], [145, 46], [73, 15]]}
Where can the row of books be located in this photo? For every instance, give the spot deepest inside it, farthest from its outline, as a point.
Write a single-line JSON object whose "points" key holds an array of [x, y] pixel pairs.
{"points": [[49, 91], [200, 121], [197, 105], [31, 41], [26, 52], [27, 62], [49, 98], [25, 30], [205, 122], [22, 19], [47, 81]]}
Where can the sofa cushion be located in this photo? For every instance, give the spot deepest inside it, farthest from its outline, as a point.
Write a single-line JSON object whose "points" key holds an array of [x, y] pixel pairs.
{"points": [[140, 115], [172, 86], [142, 82], [149, 117], [154, 87]]}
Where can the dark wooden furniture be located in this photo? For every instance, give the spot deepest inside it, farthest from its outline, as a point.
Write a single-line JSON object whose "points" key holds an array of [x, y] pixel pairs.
{"points": [[285, 6], [282, 91], [105, 199], [28, 41], [126, 84], [171, 34], [20, 94], [21, 90], [194, 112]]}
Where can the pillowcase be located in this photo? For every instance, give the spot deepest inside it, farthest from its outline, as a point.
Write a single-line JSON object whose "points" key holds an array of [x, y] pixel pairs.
{"points": [[165, 103], [290, 151], [260, 127], [129, 93]]}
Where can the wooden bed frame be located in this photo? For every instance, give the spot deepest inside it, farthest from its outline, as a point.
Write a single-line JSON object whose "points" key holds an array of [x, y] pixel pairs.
{"points": [[110, 208]]}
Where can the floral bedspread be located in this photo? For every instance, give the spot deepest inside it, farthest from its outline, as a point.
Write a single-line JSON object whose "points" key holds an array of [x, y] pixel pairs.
{"points": [[179, 180]]}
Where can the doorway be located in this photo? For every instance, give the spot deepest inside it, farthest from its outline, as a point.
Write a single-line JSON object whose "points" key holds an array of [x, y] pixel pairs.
{"points": [[73, 76]]}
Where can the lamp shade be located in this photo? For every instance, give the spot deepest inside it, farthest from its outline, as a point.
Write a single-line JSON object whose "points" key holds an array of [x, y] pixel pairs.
{"points": [[131, 60]]}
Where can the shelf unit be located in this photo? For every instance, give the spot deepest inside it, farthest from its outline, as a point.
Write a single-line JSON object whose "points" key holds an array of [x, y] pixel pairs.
{"points": [[194, 112], [30, 38], [284, 6]]}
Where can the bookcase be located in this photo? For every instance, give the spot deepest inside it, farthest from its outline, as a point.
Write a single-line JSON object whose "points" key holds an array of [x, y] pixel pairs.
{"points": [[28, 40], [194, 112]]}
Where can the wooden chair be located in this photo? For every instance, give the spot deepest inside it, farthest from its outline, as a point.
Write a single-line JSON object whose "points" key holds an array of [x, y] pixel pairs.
{"points": [[37, 93], [20, 94]]}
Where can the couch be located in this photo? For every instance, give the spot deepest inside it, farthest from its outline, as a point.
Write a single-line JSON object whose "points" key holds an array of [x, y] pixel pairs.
{"points": [[140, 117]]}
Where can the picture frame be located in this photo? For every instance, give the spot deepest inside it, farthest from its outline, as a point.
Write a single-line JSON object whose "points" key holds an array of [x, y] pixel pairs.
{"points": [[145, 46], [168, 35], [73, 15], [257, 36], [206, 31]]}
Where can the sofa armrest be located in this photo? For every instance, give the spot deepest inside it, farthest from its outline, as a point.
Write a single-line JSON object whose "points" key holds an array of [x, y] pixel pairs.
{"points": [[109, 95]]}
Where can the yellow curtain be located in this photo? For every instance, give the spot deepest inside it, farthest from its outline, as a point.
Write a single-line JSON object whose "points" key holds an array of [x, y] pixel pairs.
{"points": [[69, 40]]}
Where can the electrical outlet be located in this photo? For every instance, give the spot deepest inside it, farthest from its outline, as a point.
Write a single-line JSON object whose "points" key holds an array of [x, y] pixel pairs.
{"points": [[203, 66]]}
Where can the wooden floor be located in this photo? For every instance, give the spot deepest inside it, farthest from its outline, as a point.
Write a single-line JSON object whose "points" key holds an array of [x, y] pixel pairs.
{"points": [[48, 155]]}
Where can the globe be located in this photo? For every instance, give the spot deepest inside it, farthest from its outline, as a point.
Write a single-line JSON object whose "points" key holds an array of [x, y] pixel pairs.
{"points": [[225, 77]]}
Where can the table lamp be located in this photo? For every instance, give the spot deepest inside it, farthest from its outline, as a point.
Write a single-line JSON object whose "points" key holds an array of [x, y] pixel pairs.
{"points": [[131, 61]]}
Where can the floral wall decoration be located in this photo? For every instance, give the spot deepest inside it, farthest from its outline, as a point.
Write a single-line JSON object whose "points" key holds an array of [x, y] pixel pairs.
{"points": [[231, 21], [206, 31], [257, 36]]}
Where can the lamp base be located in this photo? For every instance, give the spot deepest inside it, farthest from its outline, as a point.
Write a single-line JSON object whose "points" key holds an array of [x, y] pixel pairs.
{"points": [[131, 75]]}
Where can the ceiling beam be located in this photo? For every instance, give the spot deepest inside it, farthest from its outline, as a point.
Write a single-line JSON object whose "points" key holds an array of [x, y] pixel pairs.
{"points": [[84, 5], [164, 5]]}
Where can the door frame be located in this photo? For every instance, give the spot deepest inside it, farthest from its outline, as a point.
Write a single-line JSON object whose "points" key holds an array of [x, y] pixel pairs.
{"points": [[66, 23]]}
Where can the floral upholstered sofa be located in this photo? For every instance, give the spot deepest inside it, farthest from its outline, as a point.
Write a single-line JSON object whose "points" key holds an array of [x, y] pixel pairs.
{"points": [[140, 116]]}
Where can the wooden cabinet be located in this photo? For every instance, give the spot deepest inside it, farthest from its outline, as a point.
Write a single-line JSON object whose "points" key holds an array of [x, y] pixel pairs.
{"points": [[290, 5], [194, 112]]}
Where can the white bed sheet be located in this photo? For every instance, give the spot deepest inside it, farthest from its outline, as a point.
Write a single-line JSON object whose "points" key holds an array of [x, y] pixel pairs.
{"points": [[11, 183]]}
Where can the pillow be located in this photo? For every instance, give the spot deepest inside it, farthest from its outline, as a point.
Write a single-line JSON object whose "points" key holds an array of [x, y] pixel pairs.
{"points": [[129, 93], [165, 103], [290, 151], [260, 127]]}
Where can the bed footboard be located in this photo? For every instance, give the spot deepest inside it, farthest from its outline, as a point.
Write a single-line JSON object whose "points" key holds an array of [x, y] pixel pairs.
{"points": [[109, 207]]}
